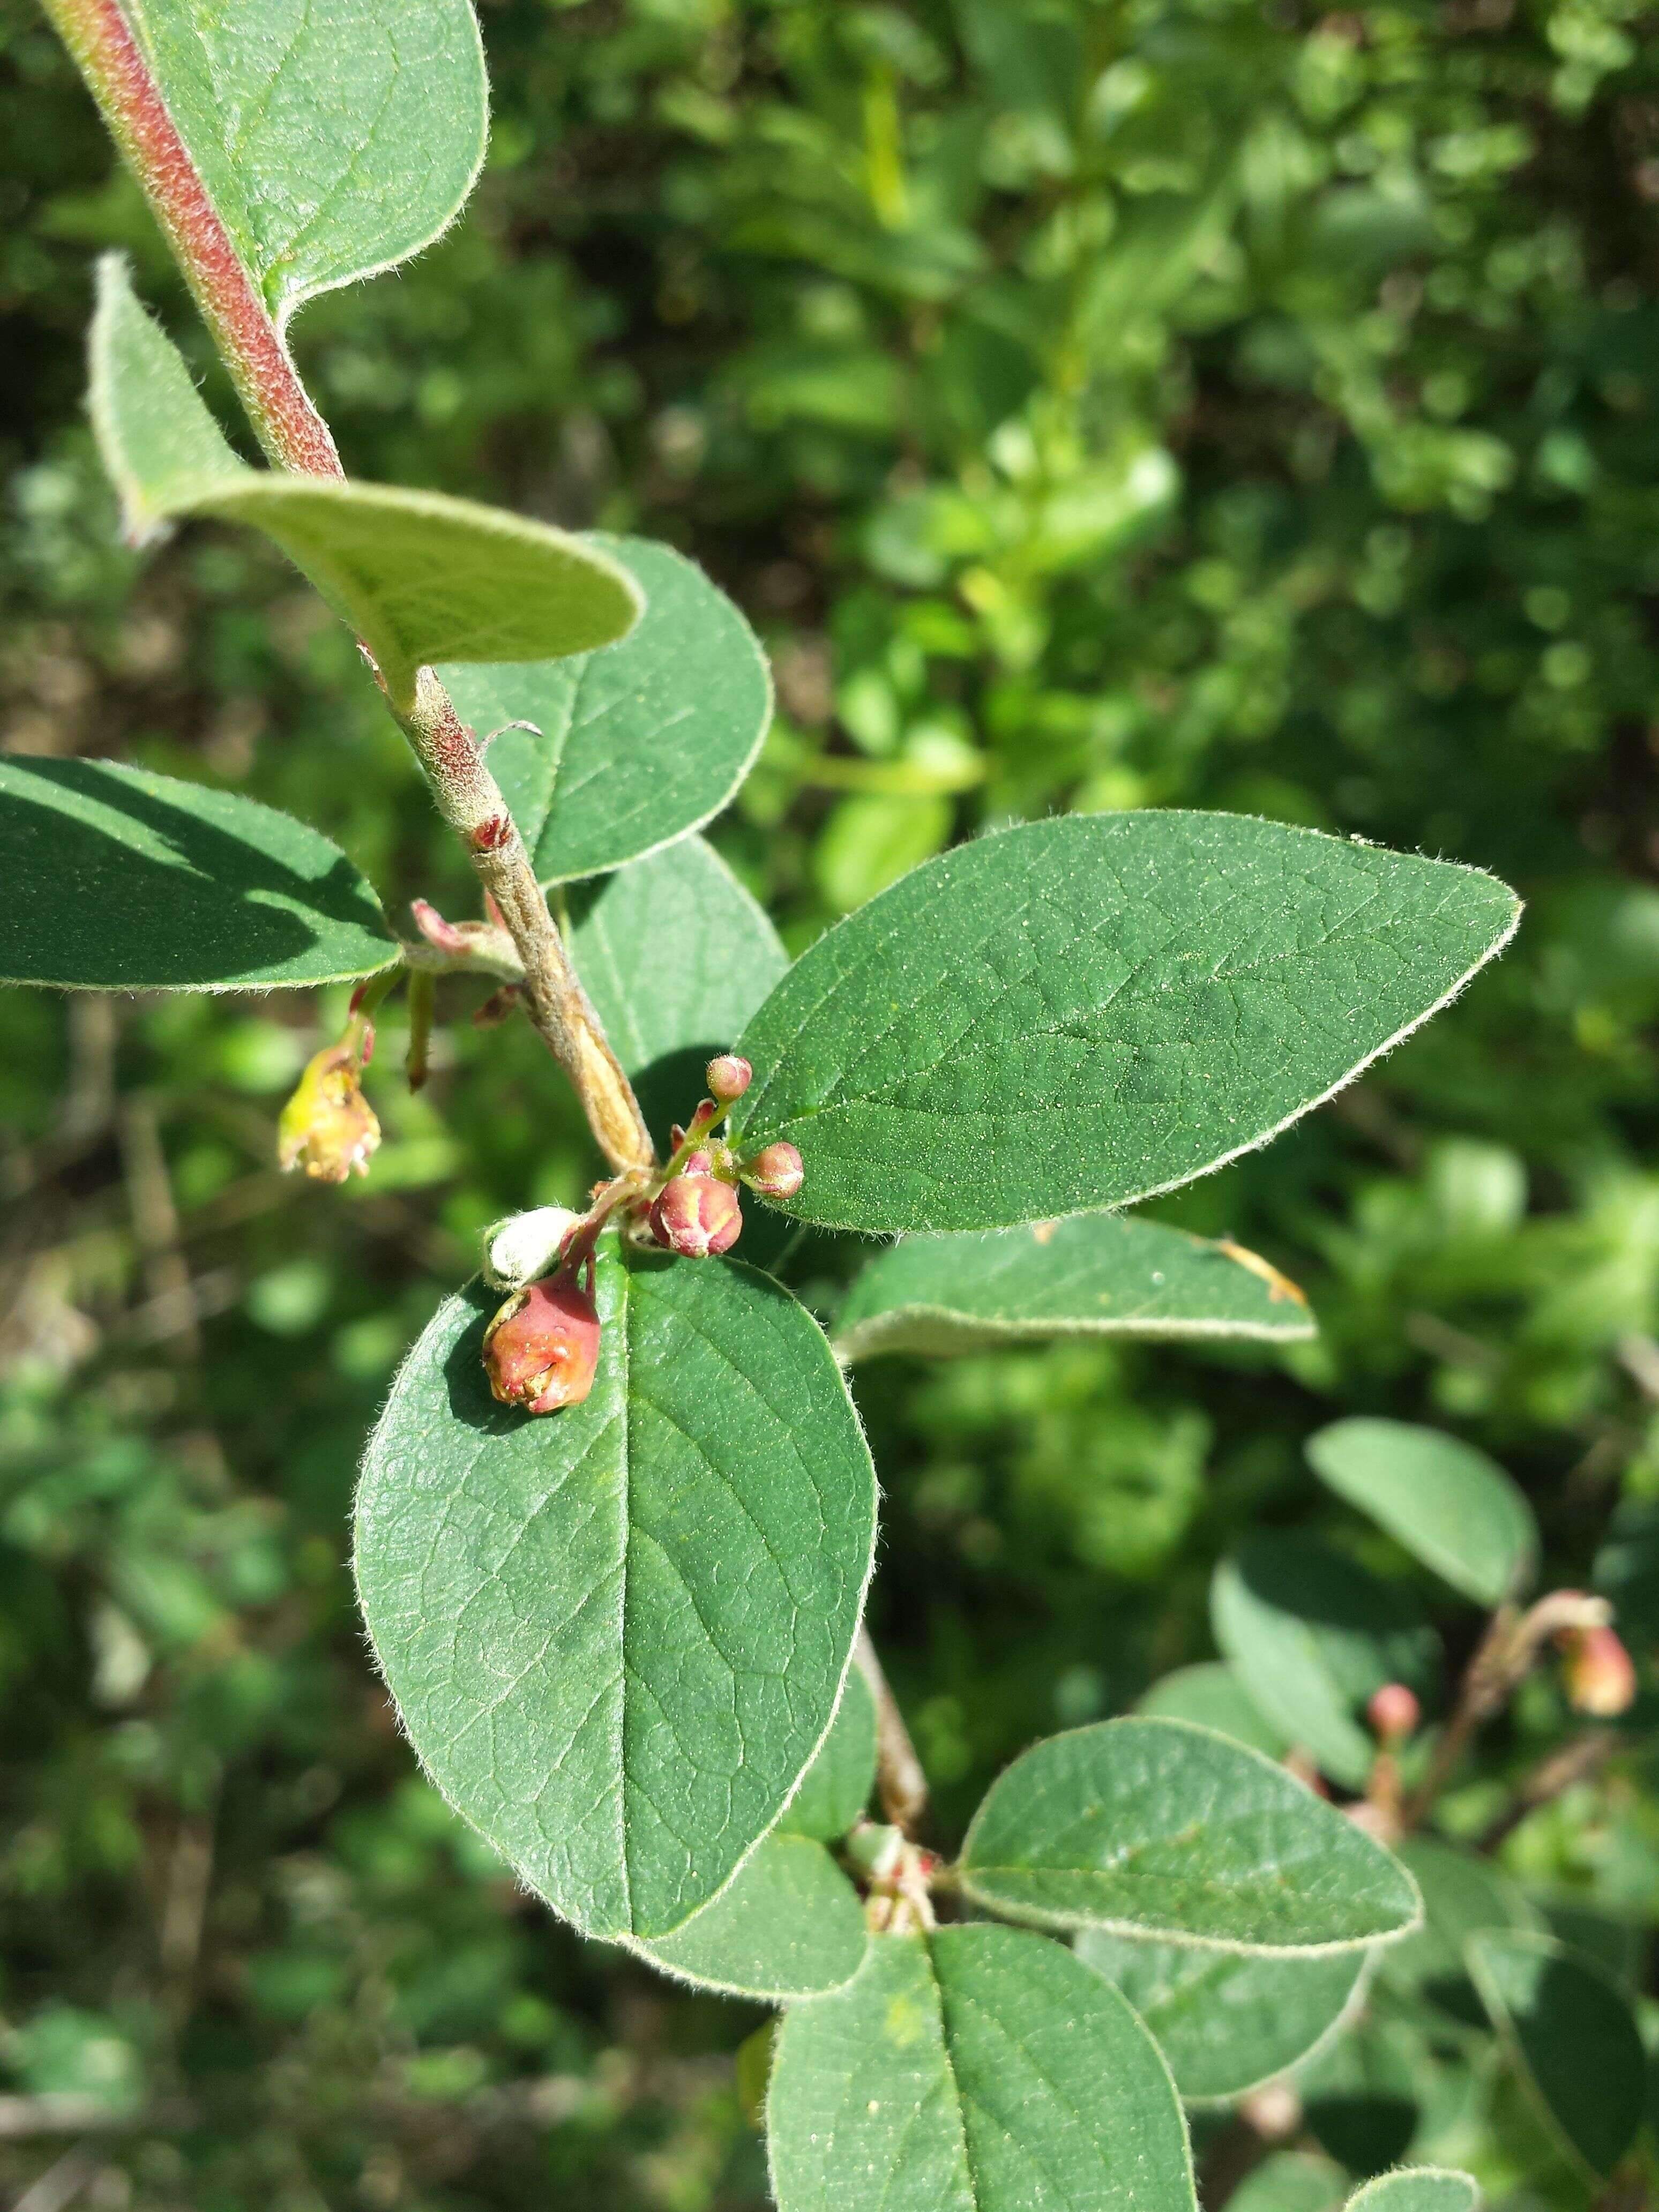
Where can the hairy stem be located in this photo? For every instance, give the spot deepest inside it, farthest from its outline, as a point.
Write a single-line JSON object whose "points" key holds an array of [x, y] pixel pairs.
{"points": [[1574, 1762], [295, 437], [1502, 1659], [902, 1784], [113, 64]]}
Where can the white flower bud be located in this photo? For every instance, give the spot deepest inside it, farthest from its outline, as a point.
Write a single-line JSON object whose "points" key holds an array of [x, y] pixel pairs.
{"points": [[525, 1246]]}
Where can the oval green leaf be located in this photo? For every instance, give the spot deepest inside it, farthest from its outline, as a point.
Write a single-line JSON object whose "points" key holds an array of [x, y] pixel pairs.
{"points": [[1155, 1827], [617, 1634], [334, 141], [1291, 2181], [1418, 2188], [635, 745], [1310, 1635], [1211, 1695], [1226, 2023], [676, 956], [1463, 1896], [788, 1924], [1076, 1014], [1570, 2034], [120, 880], [1096, 1274], [836, 1788], [419, 577], [977, 2069], [1450, 1505]]}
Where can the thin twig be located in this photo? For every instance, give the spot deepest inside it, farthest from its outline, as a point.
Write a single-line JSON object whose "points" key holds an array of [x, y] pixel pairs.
{"points": [[1574, 1762], [61, 2182], [155, 1223], [1502, 1659], [295, 437], [902, 1784]]}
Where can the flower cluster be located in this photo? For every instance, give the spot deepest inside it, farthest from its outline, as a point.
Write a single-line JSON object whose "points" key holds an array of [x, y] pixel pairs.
{"points": [[541, 1351]]}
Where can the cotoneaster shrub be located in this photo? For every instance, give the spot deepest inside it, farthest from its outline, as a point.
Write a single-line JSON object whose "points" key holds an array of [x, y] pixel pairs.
{"points": [[617, 1519]]}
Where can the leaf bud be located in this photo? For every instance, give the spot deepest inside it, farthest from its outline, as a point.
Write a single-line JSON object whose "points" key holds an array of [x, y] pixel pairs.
{"points": [[328, 1127], [728, 1076], [1393, 1713], [876, 1850], [526, 1245], [775, 1171], [1601, 1679], [697, 1216], [542, 1349]]}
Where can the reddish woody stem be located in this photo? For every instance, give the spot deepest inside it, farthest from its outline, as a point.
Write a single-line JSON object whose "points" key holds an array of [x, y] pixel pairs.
{"points": [[113, 62], [295, 436]]}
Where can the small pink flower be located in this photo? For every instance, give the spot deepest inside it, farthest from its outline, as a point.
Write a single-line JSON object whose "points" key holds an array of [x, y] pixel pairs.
{"points": [[728, 1076], [775, 1171], [697, 1215], [1601, 1679], [1393, 1713]]}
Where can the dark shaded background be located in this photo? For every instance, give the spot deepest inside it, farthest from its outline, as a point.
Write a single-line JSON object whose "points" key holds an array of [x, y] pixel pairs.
{"points": [[1184, 401]]}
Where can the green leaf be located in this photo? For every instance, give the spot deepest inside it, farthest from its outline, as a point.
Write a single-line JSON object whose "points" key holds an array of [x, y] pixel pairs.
{"points": [[1370, 2092], [977, 2069], [1572, 2037], [1463, 1896], [1155, 1827], [1096, 1274], [836, 1788], [873, 839], [1310, 1636], [1077, 1014], [1226, 2023], [419, 576], [1448, 1503], [120, 880], [637, 744], [334, 140], [788, 1924], [618, 1633], [1418, 2188], [1291, 2181], [676, 956], [1211, 1695]]}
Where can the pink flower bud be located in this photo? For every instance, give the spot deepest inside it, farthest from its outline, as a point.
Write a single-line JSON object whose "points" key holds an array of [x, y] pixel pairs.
{"points": [[542, 1349], [1393, 1713], [775, 1171], [697, 1216], [328, 1127], [728, 1076], [1600, 1677]]}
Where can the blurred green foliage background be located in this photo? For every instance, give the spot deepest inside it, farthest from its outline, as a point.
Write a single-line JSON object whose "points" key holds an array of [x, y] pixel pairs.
{"points": [[1095, 403]]}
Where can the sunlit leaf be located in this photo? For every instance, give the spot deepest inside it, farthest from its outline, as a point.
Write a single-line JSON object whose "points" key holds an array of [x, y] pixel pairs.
{"points": [[1096, 1274], [1158, 1828], [1448, 1503], [1225, 2023], [632, 746], [1079, 1012], [788, 1924], [419, 577], [618, 1633], [333, 140], [977, 2069]]}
